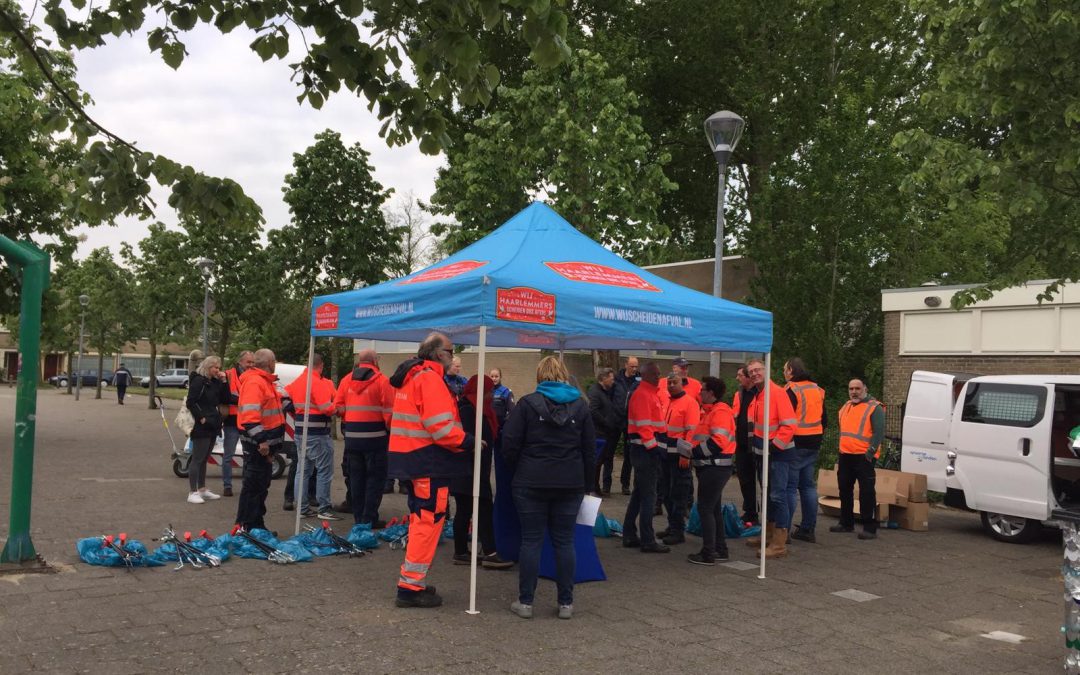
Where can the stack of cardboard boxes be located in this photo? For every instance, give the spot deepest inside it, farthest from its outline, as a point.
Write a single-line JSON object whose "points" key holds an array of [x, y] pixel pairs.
{"points": [[901, 498]]}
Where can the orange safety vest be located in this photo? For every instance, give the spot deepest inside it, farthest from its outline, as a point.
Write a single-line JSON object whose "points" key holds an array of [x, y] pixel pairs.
{"points": [[366, 406], [645, 417], [261, 416], [425, 431], [809, 406], [322, 400], [781, 419], [683, 415], [714, 437], [855, 428], [233, 379], [693, 388]]}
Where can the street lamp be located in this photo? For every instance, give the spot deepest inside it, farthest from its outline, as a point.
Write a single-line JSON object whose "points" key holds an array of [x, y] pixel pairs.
{"points": [[84, 300], [722, 130], [206, 268]]}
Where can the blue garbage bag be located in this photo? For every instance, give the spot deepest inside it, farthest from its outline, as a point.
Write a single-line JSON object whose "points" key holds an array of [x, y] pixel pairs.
{"points": [[294, 547], [734, 527], [318, 542], [447, 530], [393, 533], [164, 554], [218, 547], [606, 527], [693, 524], [242, 548], [92, 551], [362, 536]]}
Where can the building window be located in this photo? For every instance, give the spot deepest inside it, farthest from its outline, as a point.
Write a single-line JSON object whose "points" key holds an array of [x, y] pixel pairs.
{"points": [[1011, 405]]}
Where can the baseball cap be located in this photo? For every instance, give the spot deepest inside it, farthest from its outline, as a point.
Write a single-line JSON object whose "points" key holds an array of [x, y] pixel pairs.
{"points": [[680, 362]]}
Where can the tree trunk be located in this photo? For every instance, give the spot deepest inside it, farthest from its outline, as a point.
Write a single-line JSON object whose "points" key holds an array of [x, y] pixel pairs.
{"points": [[70, 363], [100, 367], [605, 358], [153, 371]]}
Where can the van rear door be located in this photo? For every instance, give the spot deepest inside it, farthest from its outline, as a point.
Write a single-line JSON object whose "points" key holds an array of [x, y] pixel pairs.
{"points": [[927, 417], [1002, 442]]}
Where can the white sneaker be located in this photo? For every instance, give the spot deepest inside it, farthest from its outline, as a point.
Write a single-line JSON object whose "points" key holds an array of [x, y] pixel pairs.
{"points": [[194, 498], [207, 495]]}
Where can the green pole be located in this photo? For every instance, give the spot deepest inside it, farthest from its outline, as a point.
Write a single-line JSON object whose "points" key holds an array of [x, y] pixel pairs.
{"points": [[35, 278]]}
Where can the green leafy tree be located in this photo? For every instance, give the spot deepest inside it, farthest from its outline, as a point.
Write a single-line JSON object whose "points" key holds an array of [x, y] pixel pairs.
{"points": [[568, 133], [1001, 150], [165, 287]]}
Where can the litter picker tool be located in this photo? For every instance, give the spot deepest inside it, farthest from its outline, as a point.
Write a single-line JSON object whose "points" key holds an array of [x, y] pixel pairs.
{"points": [[344, 545], [272, 554], [119, 545]]}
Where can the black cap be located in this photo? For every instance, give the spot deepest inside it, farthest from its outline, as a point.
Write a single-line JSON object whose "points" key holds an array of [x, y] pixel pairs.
{"points": [[680, 362]]}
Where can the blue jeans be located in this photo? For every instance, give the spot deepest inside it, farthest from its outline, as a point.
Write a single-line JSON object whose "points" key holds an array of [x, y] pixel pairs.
{"points": [[232, 437], [779, 513], [556, 511], [801, 478], [320, 457]]}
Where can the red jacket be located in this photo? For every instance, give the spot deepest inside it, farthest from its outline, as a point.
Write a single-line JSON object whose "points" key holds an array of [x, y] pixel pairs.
{"points": [[714, 438], [425, 432], [683, 415], [322, 403], [261, 416], [646, 423], [781, 421], [365, 401]]}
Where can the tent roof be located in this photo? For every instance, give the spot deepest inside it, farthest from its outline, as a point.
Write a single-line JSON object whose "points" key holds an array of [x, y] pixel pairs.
{"points": [[538, 282]]}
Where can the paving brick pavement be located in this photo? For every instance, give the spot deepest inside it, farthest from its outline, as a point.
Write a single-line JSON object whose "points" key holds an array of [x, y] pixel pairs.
{"points": [[104, 468]]}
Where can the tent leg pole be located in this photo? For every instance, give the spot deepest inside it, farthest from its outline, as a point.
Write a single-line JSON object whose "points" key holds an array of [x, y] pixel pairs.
{"points": [[765, 461], [301, 449], [477, 449]]}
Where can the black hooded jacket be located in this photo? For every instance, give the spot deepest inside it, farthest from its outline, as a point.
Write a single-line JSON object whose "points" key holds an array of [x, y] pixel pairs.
{"points": [[550, 445]]}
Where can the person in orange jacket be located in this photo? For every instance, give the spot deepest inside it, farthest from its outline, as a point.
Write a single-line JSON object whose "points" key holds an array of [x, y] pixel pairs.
{"points": [[261, 417], [230, 430], [712, 452], [691, 386], [781, 422], [365, 402], [645, 429], [683, 415], [425, 438], [320, 446]]}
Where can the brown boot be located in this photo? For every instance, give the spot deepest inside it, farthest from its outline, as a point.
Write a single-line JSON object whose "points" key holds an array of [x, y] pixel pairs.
{"points": [[767, 532], [777, 544]]}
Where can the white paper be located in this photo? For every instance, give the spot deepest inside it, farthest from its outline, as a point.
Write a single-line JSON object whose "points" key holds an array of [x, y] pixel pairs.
{"points": [[590, 508]]}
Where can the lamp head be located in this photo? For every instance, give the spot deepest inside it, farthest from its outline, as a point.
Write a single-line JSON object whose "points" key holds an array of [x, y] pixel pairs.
{"points": [[206, 267], [84, 300], [723, 130]]}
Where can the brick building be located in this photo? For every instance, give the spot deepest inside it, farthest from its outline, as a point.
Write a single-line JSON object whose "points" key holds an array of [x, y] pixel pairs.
{"points": [[1012, 333]]}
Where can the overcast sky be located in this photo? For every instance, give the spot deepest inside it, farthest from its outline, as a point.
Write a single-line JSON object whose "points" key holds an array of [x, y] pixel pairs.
{"points": [[226, 113]]}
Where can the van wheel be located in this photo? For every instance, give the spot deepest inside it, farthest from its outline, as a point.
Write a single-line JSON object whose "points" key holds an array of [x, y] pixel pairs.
{"points": [[279, 467], [1010, 529]]}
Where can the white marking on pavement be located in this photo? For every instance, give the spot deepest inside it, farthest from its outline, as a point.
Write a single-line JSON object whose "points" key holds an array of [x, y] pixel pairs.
{"points": [[739, 565], [856, 595], [121, 480], [1004, 636]]}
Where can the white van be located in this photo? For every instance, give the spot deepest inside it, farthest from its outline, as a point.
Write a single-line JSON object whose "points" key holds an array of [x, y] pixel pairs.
{"points": [[998, 445]]}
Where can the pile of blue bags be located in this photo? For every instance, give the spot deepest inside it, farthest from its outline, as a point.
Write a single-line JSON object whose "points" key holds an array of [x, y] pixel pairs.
{"points": [[734, 528]]}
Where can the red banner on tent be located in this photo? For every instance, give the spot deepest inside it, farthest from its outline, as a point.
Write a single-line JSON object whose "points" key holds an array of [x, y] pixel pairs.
{"points": [[326, 316], [448, 272], [591, 273], [525, 304]]}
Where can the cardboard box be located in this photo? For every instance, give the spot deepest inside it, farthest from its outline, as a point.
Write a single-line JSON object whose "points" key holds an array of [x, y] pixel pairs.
{"points": [[915, 516], [910, 487], [830, 506], [892, 487], [826, 483]]}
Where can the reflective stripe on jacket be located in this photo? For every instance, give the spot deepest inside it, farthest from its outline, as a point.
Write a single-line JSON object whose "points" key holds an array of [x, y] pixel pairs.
{"points": [[781, 419], [645, 417], [714, 437], [366, 407], [856, 431], [232, 376], [322, 403], [425, 431], [261, 416], [683, 415], [809, 406]]}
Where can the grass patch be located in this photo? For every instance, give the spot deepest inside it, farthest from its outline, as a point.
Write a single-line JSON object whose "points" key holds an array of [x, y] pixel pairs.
{"points": [[173, 393]]}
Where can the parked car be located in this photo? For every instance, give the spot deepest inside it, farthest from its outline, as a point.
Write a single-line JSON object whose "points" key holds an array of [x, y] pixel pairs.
{"points": [[89, 379], [174, 377], [999, 445]]}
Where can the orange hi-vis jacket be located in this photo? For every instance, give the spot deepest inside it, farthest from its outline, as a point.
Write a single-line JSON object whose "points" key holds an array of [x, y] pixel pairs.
{"points": [[322, 403], [645, 423], [261, 416], [425, 431], [693, 388], [232, 376], [809, 407], [714, 437], [856, 431], [365, 401], [683, 415], [781, 419]]}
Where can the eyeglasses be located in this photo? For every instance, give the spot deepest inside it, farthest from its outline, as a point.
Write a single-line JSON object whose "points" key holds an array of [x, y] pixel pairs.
{"points": [[448, 351]]}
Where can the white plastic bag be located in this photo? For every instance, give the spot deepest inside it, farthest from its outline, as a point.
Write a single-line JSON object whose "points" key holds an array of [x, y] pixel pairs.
{"points": [[184, 420]]}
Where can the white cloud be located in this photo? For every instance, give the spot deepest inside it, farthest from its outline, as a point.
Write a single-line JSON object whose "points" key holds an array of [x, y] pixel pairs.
{"points": [[226, 113]]}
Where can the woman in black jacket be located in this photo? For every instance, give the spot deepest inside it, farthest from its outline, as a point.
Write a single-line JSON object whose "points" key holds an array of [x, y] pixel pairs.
{"points": [[550, 443], [206, 390]]}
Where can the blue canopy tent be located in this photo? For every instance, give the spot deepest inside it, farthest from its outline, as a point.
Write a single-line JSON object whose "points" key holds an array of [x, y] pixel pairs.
{"points": [[538, 282]]}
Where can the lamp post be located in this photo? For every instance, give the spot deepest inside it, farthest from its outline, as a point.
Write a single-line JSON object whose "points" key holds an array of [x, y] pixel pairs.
{"points": [[206, 268], [722, 130], [84, 300]]}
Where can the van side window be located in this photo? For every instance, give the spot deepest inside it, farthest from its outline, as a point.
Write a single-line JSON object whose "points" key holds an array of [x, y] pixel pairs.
{"points": [[1011, 405]]}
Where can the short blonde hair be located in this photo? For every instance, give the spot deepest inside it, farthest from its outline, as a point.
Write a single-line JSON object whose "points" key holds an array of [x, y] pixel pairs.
{"points": [[208, 363], [551, 369]]}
